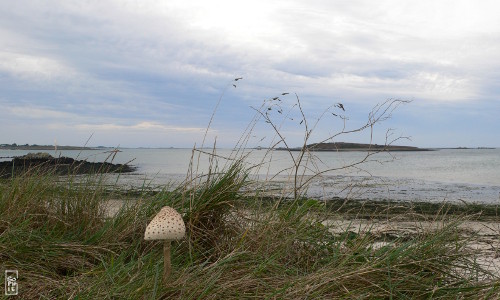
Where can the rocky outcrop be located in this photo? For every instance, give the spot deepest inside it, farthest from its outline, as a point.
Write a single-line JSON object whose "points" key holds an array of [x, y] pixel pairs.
{"points": [[44, 162]]}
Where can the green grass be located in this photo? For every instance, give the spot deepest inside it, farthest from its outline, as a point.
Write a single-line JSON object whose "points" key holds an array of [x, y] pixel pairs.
{"points": [[237, 246]]}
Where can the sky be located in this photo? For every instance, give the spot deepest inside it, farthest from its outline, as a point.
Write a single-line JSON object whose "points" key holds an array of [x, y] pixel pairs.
{"points": [[150, 73]]}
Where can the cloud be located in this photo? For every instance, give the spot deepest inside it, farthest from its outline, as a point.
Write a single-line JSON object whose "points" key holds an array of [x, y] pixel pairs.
{"points": [[34, 68], [142, 126], [29, 112], [138, 65]]}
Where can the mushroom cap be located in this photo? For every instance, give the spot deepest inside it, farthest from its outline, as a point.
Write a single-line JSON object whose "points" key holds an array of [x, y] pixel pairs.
{"points": [[166, 225]]}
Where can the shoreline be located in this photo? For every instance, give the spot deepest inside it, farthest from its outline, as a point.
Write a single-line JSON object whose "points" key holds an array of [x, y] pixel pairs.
{"points": [[328, 187]]}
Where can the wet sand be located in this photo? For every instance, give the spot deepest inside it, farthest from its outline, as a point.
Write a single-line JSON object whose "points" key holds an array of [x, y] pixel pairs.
{"points": [[381, 188], [347, 187]]}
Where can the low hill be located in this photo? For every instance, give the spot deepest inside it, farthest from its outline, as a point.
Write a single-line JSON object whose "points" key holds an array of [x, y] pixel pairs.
{"points": [[41, 147], [341, 146]]}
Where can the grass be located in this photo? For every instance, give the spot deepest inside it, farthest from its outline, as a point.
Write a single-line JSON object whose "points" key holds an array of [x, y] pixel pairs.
{"points": [[239, 243], [237, 246]]}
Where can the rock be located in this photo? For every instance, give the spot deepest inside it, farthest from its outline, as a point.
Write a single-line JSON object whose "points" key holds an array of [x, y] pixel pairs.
{"points": [[45, 163], [38, 155]]}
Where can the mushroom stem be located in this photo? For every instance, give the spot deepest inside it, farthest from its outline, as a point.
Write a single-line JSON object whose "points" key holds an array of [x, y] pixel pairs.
{"points": [[167, 267]]}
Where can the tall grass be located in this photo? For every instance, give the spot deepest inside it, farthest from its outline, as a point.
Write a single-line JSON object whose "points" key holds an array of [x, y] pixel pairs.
{"points": [[237, 247]]}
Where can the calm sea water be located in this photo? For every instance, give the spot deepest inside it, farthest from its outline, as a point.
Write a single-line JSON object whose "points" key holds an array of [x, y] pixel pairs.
{"points": [[471, 175]]}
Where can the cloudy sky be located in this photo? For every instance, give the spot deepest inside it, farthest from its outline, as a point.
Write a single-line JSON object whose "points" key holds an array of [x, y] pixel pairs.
{"points": [[150, 73]]}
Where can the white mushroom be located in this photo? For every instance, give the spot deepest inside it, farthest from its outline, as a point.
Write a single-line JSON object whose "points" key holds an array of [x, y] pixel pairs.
{"points": [[166, 225]]}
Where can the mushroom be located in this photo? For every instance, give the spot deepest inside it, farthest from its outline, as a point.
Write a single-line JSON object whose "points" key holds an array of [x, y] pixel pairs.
{"points": [[166, 225]]}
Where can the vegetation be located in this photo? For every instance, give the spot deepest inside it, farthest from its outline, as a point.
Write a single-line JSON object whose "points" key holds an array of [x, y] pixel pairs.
{"points": [[58, 236], [240, 243]]}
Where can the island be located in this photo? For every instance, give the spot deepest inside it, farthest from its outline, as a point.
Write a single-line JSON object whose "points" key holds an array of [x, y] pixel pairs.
{"points": [[15, 146], [343, 146]]}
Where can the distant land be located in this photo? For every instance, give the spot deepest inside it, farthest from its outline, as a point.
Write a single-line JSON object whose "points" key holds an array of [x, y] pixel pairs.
{"points": [[338, 146], [467, 148], [341, 146], [44, 147]]}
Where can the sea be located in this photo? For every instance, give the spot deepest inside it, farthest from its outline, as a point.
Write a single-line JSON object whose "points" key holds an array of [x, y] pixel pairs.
{"points": [[442, 175]]}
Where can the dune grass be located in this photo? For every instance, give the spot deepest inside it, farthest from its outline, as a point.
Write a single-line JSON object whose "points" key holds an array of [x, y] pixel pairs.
{"points": [[57, 235], [239, 244]]}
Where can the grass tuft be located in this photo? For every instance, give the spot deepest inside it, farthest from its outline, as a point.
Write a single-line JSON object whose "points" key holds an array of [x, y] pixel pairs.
{"points": [[237, 247]]}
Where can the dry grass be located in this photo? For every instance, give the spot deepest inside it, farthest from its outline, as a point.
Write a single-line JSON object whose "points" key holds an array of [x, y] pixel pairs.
{"points": [[238, 245], [236, 248]]}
